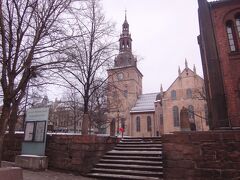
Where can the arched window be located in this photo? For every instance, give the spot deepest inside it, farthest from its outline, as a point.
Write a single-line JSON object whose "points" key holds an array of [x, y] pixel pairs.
{"points": [[149, 124], [173, 95], [138, 127], [231, 36], [125, 93], [238, 23], [189, 93], [176, 116], [191, 112]]}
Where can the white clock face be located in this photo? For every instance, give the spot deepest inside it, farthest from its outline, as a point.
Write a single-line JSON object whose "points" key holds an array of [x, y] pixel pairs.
{"points": [[120, 76]]}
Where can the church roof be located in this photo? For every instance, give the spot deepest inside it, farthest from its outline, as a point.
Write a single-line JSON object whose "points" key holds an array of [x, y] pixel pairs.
{"points": [[145, 103]]}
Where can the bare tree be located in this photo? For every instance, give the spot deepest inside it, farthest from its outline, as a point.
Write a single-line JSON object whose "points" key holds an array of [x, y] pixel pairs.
{"points": [[98, 109], [73, 101], [89, 55], [31, 31], [200, 94]]}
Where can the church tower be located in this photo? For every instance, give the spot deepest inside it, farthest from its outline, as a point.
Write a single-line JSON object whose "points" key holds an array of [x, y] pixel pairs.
{"points": [[124, 84]]}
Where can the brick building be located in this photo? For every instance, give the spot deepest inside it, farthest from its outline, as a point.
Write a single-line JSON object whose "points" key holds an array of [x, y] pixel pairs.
{"points": [[219, 42]]}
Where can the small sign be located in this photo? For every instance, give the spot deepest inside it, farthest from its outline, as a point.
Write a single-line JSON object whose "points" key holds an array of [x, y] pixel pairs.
{"points": [[40, 131], [35, 131], [29, 131]]}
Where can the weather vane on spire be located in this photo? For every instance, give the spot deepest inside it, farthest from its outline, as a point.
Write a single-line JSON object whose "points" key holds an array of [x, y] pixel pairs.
{"points": [[125, 14]]}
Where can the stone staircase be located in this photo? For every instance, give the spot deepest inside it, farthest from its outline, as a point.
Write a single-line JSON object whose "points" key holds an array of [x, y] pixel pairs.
{"points": [[133, 158]]}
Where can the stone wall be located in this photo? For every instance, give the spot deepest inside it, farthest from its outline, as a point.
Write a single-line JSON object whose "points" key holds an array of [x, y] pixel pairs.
{"points": [[202, 155], [77, 153], [66, 152], [12, 146]]}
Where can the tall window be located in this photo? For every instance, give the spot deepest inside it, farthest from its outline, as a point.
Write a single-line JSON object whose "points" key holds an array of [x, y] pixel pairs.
{"points": [[125, 93], [138, 127], [231, 38], [149, 124], [238, 24], [173, 95], [176, 116], [189, 93], [191, 112]]}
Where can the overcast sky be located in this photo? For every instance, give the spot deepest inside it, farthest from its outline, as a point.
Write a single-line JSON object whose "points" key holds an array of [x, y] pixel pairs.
{"points": [[164, 33]]}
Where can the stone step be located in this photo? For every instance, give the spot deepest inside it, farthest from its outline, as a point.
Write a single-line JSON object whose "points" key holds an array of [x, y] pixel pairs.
{"points": [[127, 161], [130, 167], [145, 153], [138, 145], [118, 176], [155, 137], [127, 172], [135, 157], [140, 140], [138, 148]]}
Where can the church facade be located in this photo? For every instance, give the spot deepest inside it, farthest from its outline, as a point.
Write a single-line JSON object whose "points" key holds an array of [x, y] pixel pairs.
{"points": [[187, 91], [150, 114]]}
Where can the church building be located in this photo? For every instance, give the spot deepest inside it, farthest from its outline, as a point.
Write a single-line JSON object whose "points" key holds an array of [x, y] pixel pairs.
{"points": [[150, 114]]}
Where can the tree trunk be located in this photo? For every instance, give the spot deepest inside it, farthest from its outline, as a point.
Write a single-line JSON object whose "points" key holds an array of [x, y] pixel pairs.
{"points": [[3, 124], [1, 148], [85, 124], [13, 119]]}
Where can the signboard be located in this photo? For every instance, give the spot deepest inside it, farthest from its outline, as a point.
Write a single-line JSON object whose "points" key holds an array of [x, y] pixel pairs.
{"points": [[35, 131], [40, 131], [28, 135]]}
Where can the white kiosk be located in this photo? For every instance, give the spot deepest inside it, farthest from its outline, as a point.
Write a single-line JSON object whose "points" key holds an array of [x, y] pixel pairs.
{"points": [[33, 147]]}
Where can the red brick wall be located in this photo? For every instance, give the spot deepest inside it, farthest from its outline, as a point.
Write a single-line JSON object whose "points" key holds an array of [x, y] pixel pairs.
{"points": [[12, 147], [230, 62], [77, 153], [202, 155], [66, 152]]}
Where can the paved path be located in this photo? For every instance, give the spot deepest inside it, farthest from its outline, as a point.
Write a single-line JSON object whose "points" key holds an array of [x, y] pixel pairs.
{"points": [[50, 175], [46, 175]]}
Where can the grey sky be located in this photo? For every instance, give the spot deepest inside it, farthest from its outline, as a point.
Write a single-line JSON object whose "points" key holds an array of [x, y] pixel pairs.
{"points": [[164, 33]]}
